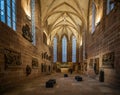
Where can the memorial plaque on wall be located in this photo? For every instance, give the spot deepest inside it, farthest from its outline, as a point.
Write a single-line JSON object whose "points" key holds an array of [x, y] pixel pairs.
{"points": [[34, 63], [91, 63], [12, 58], [108, 60]]}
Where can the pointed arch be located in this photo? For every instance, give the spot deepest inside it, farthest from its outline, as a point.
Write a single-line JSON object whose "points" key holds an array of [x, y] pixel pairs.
{"points": [[93, 16], [33, 21], [64, 34]]}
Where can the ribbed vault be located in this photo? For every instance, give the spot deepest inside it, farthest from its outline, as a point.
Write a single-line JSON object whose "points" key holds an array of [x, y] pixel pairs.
{"points": [[61, 17]]}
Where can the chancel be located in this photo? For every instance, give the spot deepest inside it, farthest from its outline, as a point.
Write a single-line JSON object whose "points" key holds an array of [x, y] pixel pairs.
{"points": [[54, 47]]}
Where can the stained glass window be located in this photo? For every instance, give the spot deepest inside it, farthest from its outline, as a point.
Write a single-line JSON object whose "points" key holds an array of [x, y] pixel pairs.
{"points": [[73, 49], [64, 49], [33, 21], [2, 10], [55, 49], [93, 17], [110, 6], [8, 12]]}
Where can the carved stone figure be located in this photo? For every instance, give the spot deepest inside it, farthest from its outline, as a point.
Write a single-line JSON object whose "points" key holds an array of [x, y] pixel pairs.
{"points": [[26, 32], [28, 70], [34, 62]]}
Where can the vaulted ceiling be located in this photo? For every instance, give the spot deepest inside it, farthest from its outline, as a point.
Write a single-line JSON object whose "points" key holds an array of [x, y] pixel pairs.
{"points": [[61, 17]]}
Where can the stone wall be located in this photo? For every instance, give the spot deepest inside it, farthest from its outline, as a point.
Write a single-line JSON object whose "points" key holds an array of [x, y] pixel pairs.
{"points": [[14, 42], [106, 39]]}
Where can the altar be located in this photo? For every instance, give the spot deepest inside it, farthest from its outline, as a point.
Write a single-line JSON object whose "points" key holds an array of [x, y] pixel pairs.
{"points": [[64, 67], [64, 70]]}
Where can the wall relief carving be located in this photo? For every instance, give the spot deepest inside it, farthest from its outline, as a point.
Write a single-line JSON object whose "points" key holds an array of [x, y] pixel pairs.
{"points": [[45, 56], [34, 63], [91, 63], [108, 59], [12, 58], [26, 32]]}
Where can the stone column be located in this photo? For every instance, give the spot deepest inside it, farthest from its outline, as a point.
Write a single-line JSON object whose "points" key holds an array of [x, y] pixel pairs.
{"points": [[77, 52], [69, 51]]}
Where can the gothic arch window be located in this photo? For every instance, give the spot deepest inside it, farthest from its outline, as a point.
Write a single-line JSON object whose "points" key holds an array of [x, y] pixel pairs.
{"points": [[8, 12], [2, 11], [64, 49], [73, 49], [93, 16], [55, 49], [110, 6], [33, 21]]}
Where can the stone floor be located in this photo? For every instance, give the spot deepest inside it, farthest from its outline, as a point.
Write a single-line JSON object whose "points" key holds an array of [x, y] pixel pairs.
{"points": [[64, 86]]}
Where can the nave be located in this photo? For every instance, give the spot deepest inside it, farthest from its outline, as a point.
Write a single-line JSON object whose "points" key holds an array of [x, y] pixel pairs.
{"points": [[39, 37], [64, 86]]}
